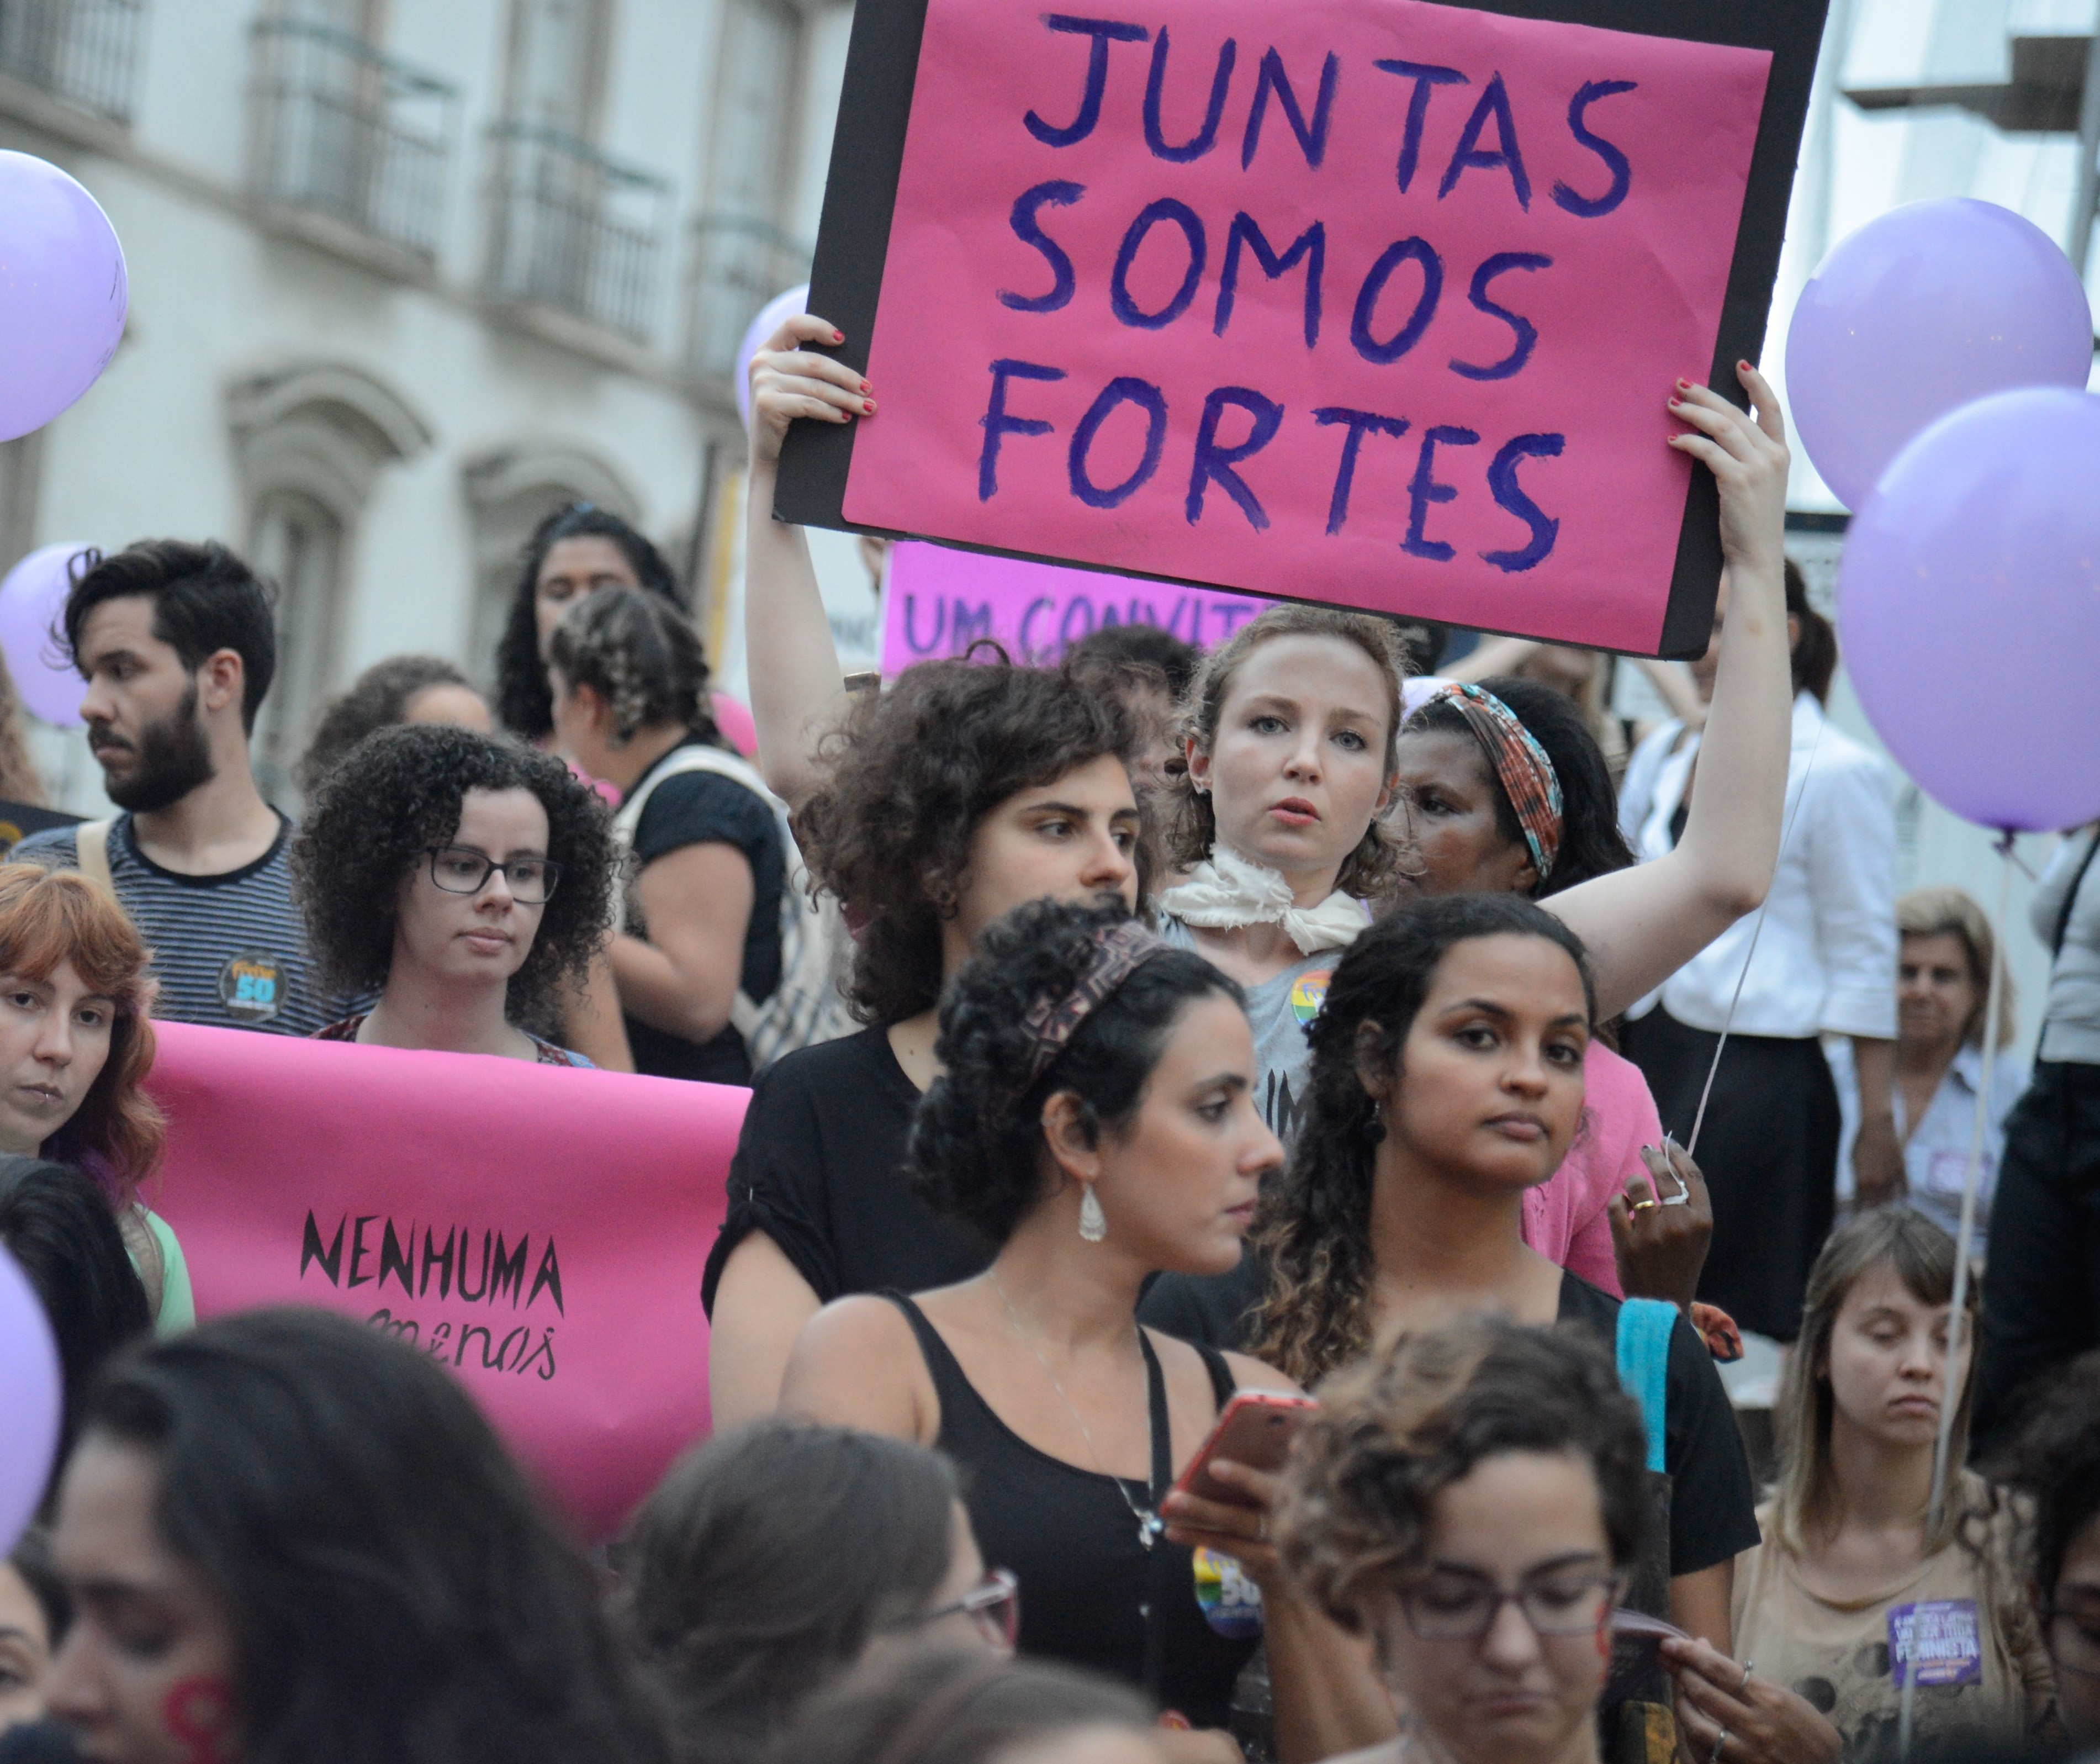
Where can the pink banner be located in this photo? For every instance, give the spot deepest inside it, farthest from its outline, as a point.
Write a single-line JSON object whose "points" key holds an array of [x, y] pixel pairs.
{"points": [[1370, 302], [540, 1230], [939, 601]]}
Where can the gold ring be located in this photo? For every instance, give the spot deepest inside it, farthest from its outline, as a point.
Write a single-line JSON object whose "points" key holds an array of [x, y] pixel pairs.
{"points": [[1639, 1206]]}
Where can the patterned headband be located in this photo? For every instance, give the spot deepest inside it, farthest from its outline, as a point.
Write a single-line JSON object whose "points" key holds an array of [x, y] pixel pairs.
{"points": [[1114, 953], [1526, 775]]}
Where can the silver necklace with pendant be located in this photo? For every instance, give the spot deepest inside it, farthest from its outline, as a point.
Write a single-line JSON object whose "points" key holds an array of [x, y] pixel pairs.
{"points": [[1149, 1524]]}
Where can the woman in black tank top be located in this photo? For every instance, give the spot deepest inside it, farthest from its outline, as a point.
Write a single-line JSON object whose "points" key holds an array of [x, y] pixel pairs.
{"points": [[1095, 1119]]}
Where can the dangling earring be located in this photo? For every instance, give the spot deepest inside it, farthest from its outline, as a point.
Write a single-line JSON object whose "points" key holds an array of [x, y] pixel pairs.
{"points": [[1093, 1223], [1374, 1132]]}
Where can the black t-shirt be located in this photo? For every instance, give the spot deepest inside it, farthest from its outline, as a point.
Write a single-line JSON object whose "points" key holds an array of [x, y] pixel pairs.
{"points": [[1712, 1506], [701, 808], [819, 1168]]}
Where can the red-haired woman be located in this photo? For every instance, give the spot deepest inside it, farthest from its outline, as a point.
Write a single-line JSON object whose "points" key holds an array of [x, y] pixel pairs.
{"points": [[75, 1048]]}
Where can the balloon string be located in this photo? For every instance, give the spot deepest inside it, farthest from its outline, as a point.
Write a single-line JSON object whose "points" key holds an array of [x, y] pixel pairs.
{"points": [[1757, 930], [1950, 1397]]}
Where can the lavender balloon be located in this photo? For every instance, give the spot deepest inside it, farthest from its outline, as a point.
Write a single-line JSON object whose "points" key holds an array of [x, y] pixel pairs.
{"points": [[63, 293], [31, 599], [29, 1400], [771, 316], [1969, 604], [1919, 312]]}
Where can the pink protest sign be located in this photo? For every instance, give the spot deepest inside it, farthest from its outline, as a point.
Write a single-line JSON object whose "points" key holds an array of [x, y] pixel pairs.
{"points": [[938, 602], [539, 1230], [1371, 302]]}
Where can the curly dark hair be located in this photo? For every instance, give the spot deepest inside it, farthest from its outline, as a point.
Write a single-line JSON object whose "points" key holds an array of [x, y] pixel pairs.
{"points": [[976, 1151], [377, 698], [1591, 844], [523, 704], [911, 774], [2054, 1459], [397, 794], [1393, 1432], [1191, 826], [1314, 1226]]}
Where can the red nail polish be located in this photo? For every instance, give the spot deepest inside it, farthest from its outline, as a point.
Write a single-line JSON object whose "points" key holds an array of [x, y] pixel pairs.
{"points": [[866, 387], [867, 405], [1684, 385], [838, 337]]}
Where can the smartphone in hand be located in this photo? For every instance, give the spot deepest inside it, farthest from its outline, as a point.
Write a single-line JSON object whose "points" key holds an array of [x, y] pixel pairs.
{"points": [[1255, 1428]]}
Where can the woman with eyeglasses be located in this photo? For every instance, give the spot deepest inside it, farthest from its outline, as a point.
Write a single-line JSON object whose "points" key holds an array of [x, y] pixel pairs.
{"points": [[777, 1556], [467, 881], [1472, 1502]]}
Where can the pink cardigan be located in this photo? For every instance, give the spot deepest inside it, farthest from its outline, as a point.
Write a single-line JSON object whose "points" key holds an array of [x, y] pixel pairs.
{"points": [[1565, 1217]]}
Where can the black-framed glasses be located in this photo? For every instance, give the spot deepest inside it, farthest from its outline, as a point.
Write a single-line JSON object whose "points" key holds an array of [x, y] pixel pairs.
{"points": [[993, 1605], [459, 871], [1456, 1606]]}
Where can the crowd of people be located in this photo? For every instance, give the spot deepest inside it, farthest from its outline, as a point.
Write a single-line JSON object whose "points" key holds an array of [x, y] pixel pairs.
{"points": [[1150, 1038]]}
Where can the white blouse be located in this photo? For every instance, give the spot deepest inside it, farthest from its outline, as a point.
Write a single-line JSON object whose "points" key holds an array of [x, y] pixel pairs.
{"points": [[1826, 959]]}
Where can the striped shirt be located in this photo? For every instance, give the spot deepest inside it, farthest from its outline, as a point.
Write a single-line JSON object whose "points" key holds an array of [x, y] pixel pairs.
{"points": [[229, 951]]}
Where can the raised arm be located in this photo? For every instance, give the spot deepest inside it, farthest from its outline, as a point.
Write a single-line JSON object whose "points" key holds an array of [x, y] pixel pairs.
{"points": [[1642, 925], [797, 691]]}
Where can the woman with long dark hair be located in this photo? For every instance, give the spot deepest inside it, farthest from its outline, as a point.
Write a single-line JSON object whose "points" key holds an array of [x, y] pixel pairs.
{"points": [[289, 1539], [1447, 1069], [576, 551], [1094, 1120]]}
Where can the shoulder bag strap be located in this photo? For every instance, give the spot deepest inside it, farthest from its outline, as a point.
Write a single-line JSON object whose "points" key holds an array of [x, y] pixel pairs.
{"points": [[1645, 1327], [2070, 899], [1159, 1578], [91, 842]]}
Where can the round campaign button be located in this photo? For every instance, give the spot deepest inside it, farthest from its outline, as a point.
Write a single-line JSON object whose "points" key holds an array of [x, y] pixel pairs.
{"points": [[252, 987]]}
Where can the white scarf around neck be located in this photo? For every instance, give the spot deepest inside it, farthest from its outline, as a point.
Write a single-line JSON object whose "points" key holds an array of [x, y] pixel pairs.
{"points": [[1229, 891]]}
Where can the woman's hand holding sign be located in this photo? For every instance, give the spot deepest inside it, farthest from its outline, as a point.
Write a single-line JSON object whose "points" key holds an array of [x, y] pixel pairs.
{"points": [[1748, 457], [788, 382]]}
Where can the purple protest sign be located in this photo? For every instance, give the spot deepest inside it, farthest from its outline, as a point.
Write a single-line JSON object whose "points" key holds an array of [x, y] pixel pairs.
{"points": [[940, 601]]}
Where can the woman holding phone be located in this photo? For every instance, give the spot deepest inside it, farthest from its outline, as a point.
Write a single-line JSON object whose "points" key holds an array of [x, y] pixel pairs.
{"points": [[1095, 1118]]}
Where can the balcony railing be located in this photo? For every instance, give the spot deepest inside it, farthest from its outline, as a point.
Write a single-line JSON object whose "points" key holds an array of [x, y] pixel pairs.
{"points": [[573, 229], [85, 52], [344, 131], [738, 264]]}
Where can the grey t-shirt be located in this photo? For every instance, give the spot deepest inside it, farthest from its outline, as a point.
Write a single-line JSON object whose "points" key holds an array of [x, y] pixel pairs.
{"points": [[2071, 1019], [229, 951], [1280, 1009]]}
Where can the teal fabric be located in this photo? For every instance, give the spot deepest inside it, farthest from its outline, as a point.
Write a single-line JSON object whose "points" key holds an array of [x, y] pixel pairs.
{"points": [[1643, 1346]]}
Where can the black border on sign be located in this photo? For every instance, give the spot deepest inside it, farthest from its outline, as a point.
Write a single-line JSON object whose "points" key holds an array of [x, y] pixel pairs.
{"points": [[868, 157]]}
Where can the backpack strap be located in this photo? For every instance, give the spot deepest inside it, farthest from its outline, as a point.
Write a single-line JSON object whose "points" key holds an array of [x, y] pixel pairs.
{"points": [[1645, 1327], [91, 842]]}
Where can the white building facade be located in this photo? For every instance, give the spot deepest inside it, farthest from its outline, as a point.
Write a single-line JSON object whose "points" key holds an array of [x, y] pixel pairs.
{"points": [[405, 276]]}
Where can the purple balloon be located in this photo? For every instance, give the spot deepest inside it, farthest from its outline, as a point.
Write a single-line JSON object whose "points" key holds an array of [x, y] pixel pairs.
{"points": [[1968, 603], [29, 1401], [31, 599], [63, 293], [771, 316], [1930, 306]]}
